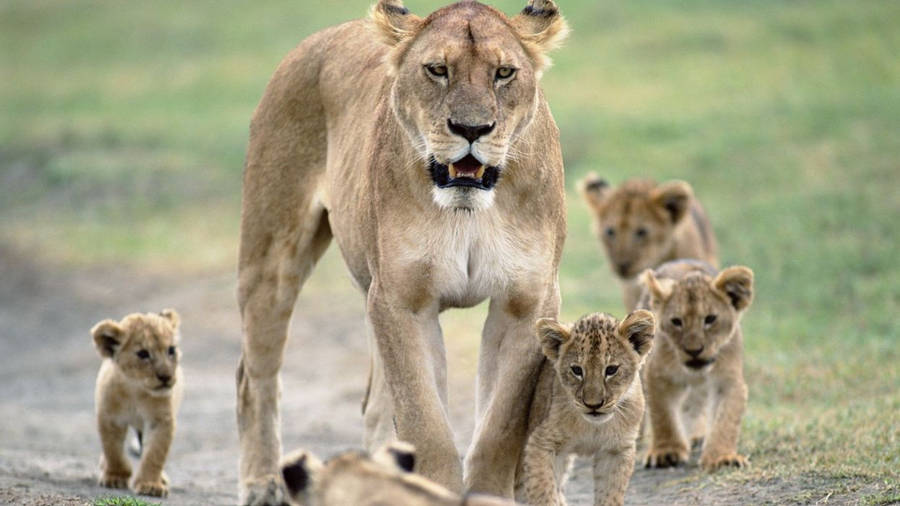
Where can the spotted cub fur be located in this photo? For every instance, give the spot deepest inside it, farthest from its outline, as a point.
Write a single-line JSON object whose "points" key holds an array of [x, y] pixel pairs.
{"points": [[588, 402]]}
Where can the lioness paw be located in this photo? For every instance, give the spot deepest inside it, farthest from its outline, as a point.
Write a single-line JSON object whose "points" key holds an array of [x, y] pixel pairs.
{"points": [[113, 480], [711, 463], [666, 457], [152, 488]]}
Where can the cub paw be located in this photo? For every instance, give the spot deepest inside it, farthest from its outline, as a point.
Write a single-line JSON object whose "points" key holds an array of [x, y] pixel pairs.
{"points": [[151, 488], [711, 463], [666, 457], [113, 480], [263, 492]]}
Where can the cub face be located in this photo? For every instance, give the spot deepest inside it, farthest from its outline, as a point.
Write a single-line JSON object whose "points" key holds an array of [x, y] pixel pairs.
{"points": [[597, 358], [144, 348], [698, 313], [636, 222]]}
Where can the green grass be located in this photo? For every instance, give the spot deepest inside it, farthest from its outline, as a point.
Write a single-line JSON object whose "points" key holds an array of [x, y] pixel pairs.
{"points": [[124, 126], [125, 500]]}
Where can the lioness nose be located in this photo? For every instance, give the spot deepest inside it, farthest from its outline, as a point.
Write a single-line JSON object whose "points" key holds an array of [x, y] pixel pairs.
{"points": [[469, 132], [695, 352]]}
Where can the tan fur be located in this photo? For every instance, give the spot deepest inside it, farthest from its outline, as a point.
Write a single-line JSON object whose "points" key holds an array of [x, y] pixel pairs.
{"points": [[593, 414], [642, 224], [356, 478], [684, 295], [141, 393], [340, 146]]}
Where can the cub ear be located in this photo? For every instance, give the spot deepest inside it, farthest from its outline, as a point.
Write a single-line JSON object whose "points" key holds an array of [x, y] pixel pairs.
{"points": [[542, 29], [298, 470], [674, 199], [172, 316], [551, 335], [393, 22], [737, 284], [108, 337], [399, 454], [638, 329], [593, 189], [659, 290]]}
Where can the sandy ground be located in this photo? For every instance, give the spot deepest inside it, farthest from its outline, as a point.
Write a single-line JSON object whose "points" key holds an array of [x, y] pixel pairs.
{"points": [[48, 443]]}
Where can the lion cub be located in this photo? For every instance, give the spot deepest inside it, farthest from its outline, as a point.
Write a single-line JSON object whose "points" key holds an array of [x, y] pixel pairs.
{"points": [[643, 224], [588, 402], [359, 479], [139, 385], [698, 354]]}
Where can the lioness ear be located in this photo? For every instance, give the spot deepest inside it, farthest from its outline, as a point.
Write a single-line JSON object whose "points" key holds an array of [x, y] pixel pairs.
{"points": [[298, 470], [393, 22], [172, 316], [551, 335], [399, 454], [659, 290], [737, 284], [638, 329], [593, 189], [673, 198], [542, 29], [108, 337]]}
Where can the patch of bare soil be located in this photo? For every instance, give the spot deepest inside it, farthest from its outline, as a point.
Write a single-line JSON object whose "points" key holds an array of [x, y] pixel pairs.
{"points": [[49, 446]]}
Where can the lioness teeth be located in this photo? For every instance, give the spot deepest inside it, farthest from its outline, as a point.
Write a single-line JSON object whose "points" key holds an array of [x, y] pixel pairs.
{"points": [[479, 172], [452, 171], [476, 174]]}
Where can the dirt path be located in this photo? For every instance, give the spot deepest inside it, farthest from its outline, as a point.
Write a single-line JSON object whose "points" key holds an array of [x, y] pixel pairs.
{"points": [[48, 443]]}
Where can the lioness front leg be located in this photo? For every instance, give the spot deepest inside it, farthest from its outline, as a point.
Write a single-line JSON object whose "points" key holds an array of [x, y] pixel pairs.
{"points": [[413, 378], [730, 401], [114, 467], [668, 444], [149, 479], [612, 471]]}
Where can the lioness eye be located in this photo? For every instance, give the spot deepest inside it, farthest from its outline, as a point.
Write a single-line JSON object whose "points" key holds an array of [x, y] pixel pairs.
{"points": [[612, 370], [143, 354], [676, 322], [505, 72], [577, 371], [610, 232], [641, 233], [171, 351], [437, 70], [710, 319]]}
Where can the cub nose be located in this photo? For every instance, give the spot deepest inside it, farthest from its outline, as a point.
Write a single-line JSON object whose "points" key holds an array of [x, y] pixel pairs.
{"points": [[624, 268], [695, 352], [470, 132], [164, 378]]}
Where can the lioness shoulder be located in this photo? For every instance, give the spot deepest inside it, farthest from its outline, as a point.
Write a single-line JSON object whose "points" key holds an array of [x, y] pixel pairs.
{"points": [[139, 386], [642, 224]]}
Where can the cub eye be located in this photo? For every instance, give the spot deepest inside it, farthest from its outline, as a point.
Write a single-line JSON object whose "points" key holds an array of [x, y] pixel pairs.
{"points": [[171, 351], [505, 72], [437, 70], [143, 354], [612, 370], [676, 322], [577, 371], [610, 232], [710, 319], [641, 233]]}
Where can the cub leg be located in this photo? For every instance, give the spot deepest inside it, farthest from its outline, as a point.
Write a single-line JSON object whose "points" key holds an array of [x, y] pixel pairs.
{"points": [[114, 467], [668, 445], [730, 401], [612, 471], [149, 479], [539, 469]]}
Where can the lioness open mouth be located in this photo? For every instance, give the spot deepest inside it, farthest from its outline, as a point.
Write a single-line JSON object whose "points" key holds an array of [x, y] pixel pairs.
{"points": [[466, 172]]}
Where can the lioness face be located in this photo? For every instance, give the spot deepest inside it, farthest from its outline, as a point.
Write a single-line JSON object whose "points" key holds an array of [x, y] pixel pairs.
{"points": [[465, 89], [597, 358], [698, 314], [144, 347]]}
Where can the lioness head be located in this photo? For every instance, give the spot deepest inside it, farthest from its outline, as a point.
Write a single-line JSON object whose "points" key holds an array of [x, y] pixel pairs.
{"points": [[466, 86], [699, 312], [636, 221], [144, 347], [597, 358]]}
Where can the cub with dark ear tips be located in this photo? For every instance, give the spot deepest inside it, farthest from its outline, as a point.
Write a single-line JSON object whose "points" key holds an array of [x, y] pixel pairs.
{"points": [[139, 386], [642, 224], [698, 355]]}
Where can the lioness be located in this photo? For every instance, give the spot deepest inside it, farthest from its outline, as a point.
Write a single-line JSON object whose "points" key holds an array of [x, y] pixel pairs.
{"points": [[356, 478], [588, 402], [699, 349], [424, 146], [139, 385], [643, 224]]}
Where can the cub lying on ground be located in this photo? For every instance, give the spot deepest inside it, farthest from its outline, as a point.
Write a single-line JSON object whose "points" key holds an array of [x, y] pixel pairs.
{"points": [[588, 402], [356, 478], [698, 350], [140, 386], [643, 224]]}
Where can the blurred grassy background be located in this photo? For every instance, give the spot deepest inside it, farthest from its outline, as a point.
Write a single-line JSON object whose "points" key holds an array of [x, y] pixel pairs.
{"points": [[124, 127]]}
